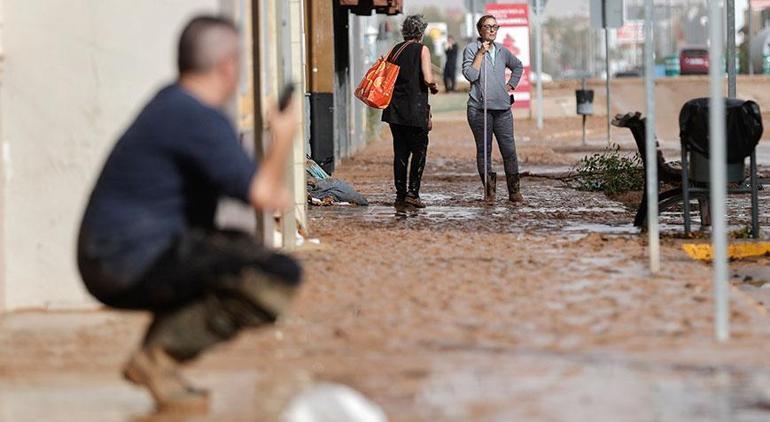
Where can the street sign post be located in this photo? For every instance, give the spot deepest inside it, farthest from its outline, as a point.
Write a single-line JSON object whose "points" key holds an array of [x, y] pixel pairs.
{"points": [[731, 71], [653, 229], [535, 8], [718, 174], [539, 60], [607, 14]]}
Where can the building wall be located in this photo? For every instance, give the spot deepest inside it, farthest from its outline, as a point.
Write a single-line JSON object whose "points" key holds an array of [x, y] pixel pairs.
{"points": [[74, 74]]}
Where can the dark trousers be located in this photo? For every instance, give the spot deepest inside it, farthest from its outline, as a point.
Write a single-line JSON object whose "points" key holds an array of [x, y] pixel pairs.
{"points": [[408, 141], [499, 123], [449, 79], [199, 290]]}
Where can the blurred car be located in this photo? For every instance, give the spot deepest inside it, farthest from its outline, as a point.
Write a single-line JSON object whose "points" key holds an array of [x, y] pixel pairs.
{"points": [[630, 73], [694, 61]]}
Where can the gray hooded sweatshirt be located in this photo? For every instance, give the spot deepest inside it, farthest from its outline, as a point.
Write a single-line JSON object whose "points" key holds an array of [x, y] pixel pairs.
{"points": [[498, 97]]}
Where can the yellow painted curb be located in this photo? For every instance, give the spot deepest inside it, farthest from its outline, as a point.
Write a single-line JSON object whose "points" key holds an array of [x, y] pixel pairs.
{"points": [[703, 251]]}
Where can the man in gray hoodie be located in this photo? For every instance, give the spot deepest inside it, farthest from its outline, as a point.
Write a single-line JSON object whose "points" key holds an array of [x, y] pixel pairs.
{"points": [[486, 59]]}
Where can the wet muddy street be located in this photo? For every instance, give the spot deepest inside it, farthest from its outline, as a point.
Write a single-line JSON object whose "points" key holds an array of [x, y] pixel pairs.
{"points": [[462, 311]]}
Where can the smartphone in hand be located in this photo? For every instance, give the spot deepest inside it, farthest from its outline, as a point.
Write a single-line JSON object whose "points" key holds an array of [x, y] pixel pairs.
{"points": [[285, 97]]}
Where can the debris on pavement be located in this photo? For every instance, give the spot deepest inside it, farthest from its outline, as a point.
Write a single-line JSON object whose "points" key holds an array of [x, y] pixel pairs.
{"points": [[704, 251], [330, 402], [325, 190]]}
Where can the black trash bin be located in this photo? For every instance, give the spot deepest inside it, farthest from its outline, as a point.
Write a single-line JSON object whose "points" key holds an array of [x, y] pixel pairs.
{"points": [[585, 101], [743, 124], [585, 105], [743, 127]]}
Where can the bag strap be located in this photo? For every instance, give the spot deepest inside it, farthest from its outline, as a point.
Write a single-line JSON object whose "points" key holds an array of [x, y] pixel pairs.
{"points": [[393, 57]]}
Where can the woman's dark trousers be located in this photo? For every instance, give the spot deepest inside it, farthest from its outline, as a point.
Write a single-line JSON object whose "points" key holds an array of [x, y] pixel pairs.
{"points": [[408, 141]]}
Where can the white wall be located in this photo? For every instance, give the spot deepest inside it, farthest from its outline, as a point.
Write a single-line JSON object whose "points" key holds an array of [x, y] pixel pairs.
{"points": [[74, 74]]}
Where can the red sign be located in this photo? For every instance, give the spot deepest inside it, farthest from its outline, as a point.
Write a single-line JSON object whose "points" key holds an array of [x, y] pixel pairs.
{"points": [[630, 33], [514, 35], [760, 4]]}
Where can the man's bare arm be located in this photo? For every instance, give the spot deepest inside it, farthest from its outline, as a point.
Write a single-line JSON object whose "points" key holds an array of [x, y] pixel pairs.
{"points": [[267, 190]]}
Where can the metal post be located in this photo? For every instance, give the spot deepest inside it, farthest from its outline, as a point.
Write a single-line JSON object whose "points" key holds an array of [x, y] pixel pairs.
{"points": [[591, 52], [607, 67], [730, 4], [583, 87], [685, 189], [670, 30], [651, 152], [260, 63], [718, 177], [749, 38], [486, 176], [539, 61], [754, 196]]}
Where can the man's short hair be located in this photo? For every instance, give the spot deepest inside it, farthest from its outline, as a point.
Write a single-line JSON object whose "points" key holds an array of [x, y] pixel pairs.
{"points": [[481, 21], [203, 43]]}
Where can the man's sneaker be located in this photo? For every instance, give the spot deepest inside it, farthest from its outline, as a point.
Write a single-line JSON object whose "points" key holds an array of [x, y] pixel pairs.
{"points": [[153, 369]]}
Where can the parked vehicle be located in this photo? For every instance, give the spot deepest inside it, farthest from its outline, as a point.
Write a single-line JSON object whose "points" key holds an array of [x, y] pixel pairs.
{"points": [[629, 73], [694, 61]]}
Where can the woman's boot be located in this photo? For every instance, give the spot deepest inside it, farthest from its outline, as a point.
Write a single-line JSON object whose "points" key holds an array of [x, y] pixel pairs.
{"points": [[490, 187], [514, 191]]}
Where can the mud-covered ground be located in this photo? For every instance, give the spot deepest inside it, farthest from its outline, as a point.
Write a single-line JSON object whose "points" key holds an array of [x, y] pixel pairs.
{"points": [[462, 311]]}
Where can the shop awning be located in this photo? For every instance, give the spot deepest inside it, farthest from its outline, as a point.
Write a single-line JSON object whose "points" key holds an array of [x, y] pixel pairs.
{"points": [[366, 7]]}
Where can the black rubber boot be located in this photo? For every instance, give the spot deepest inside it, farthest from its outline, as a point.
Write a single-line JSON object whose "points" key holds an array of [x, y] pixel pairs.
{"points": [[400, 203], [514, 190], [414, 200]]}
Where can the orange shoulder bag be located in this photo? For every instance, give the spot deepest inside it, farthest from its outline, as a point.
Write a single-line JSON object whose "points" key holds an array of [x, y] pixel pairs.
{"points": [[376, 88]]}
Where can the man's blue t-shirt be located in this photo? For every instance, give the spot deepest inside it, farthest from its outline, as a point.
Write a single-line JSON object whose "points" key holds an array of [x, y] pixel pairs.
{"points": [[165, 174]]}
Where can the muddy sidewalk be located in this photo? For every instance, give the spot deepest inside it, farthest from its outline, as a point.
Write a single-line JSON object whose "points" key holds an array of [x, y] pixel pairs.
{"points": [[462, 311]]}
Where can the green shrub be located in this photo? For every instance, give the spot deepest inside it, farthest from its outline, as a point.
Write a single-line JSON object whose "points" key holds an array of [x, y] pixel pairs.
{"points": [[609, 171]]}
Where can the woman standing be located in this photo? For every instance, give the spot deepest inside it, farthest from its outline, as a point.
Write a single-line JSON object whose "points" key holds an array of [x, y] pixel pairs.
{"points": [[408, 112], [450, 67], [484, 65]]}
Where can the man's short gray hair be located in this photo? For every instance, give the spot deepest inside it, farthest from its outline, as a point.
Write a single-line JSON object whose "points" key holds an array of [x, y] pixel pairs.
{"points": [[413, 27]]}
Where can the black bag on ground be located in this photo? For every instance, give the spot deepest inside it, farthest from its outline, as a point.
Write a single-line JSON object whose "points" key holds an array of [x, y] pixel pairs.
{"points": [[743, 126]]}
